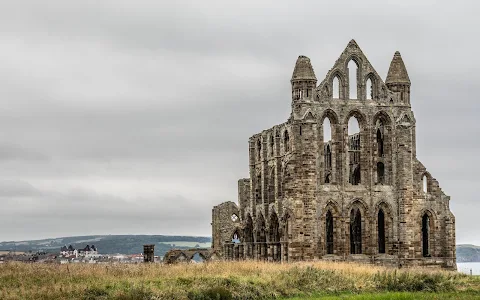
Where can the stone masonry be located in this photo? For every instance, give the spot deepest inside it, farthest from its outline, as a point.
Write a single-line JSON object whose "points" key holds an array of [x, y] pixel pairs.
{"points": [[362, 196]]}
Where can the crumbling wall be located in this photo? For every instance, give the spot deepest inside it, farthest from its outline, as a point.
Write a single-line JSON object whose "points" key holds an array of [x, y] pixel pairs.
{"points": [[379, 214], [225, 221]]}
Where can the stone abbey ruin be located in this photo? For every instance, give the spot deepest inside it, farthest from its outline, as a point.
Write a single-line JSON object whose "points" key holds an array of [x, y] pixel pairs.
{"points": [[338, 195]]}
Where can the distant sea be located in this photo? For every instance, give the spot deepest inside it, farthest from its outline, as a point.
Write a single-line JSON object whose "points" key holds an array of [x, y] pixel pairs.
{"points": [[466, 267]]}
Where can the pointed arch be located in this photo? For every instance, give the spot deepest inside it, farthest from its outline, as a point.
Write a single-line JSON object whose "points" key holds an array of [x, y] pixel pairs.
{"points": [[248, 236], [327, 150], [427, 226], [369, 89], [236, 236], [286, 233], [327, 130], [357, 212], [382, 147], [336, 83], [359, 115], [329, 231], [286, 141], [426, 182], [261, 237], [330, 224], [353, 68], [354, 145], [274, 238], [355, 231], [380, 143], [384, 231], [371, 85], [336, 88], [381, 231], [331, 115], [383, 116]]}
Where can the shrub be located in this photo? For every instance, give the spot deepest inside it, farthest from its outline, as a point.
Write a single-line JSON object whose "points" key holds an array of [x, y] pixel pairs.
{"points": [[214, 293]]}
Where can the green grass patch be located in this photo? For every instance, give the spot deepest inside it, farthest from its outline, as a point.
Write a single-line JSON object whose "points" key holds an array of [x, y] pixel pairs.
{"points": [[231, 280]]}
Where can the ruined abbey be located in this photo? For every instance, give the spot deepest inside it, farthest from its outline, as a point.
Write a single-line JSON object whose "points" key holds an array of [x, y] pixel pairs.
{"points": [[340, 179]]}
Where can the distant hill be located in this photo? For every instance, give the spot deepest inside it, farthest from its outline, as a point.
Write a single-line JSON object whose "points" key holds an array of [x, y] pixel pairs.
{"points": [[110, 244], [468, 253], [133, 244]]}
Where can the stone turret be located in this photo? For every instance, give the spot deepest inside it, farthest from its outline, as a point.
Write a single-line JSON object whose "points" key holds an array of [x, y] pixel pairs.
{"points": [[398, 80], [303, 80]]}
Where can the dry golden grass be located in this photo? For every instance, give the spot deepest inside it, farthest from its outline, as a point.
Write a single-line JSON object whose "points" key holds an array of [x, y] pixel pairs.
{"points": [[231, 280]]}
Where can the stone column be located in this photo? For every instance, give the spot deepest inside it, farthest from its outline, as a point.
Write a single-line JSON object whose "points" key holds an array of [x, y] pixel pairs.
{"points": [[285, 252], [241, 251]]}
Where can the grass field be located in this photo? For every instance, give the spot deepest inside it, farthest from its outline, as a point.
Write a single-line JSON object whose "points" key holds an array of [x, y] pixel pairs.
{"points": [[231, 280]]}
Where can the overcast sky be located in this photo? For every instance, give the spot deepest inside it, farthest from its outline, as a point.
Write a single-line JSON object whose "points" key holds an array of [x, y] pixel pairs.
{"points": [[132, 117]]}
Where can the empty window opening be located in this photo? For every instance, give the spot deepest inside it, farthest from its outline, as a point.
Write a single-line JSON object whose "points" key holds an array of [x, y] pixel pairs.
{"points": [[355, 232], [248, 237], [329, 232], [336, 88], [286, 141], [328, 178], [327, 130], [261, 239], [426, 235], [275, 237], [236, 237], [355, 177], [353, 126], [328, 158], [379, 143], [197, 258], [380, 173], [272, 144], [369, 89], [381, 232], [327, 149], [234, 218], [352, 78], [425, 184], [307, 93], [354, 151], [300, 129]]}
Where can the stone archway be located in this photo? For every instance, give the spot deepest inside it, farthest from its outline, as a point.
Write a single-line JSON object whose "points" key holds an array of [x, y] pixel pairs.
{"points": [[261, 238], [355, 231], [274, 247]]}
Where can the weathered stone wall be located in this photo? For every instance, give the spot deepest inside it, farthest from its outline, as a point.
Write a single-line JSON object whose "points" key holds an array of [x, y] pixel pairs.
{"points": [[383, 215], [225, 222]]}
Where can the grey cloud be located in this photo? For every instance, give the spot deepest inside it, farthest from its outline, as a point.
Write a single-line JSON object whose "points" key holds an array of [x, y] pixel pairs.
{"points": [[134, 116], [17, 188], [12, 152]]}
